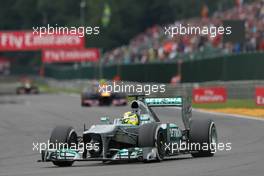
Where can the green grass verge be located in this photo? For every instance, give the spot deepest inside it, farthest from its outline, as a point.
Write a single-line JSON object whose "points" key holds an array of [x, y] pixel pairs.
{"points": [[234, 103], [47, 89]]}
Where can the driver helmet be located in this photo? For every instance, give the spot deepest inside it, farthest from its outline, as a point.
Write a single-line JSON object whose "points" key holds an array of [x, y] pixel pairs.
{"points": [[130, 118]]}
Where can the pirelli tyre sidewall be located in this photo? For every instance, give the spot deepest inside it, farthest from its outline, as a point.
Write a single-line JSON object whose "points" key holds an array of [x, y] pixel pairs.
{"points": [[152, 135], [203, 132], [63, 134]]}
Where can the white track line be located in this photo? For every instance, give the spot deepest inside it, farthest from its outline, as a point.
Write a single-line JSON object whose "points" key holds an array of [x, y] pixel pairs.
{"points": [[232, 115]]}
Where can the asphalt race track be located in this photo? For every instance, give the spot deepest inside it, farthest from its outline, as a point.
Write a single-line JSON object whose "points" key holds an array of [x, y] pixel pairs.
{"points": [[28, 119]]}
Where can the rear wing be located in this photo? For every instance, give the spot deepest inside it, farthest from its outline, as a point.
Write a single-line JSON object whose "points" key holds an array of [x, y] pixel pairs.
{"points": [[155, 102], [185, 103]]}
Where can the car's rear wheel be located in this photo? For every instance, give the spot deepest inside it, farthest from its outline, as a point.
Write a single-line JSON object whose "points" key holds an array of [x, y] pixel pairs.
{"points": [[152, 135], [118, 97], [65, 135], [20, 90], [88, 96], [203, 135], [34, 90], [83, 104]]}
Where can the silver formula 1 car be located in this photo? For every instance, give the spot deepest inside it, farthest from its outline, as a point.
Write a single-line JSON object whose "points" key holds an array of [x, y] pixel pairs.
{"points": [[151, 140]]}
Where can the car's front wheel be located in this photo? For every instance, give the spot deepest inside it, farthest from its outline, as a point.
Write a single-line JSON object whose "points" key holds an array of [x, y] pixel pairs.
{"points": [[65, 135], [151, 135]]}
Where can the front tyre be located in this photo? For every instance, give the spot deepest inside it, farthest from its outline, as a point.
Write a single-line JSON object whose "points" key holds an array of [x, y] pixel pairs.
{"points": [[65, 135], [152, 135]]}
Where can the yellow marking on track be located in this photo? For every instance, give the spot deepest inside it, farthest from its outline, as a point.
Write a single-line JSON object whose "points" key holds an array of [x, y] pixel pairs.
{"points": [[240, 111]]}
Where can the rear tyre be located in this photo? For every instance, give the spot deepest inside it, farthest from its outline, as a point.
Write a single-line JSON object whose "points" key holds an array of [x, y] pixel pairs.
{"points": [[152, 135], [203, 133], [88, 96], [83, 104], [66, 135], [20, 90], [120, 96], [34, 90]]}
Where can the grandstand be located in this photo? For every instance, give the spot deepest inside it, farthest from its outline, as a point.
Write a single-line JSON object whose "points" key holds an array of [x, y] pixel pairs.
{"points": [[153, 56], [153, 46]]}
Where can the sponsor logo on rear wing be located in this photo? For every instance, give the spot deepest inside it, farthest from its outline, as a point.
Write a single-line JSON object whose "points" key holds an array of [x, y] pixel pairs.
{"points": [[177, 101], [183, 102]]}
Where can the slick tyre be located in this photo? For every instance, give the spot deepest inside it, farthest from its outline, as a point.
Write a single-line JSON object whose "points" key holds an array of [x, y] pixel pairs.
{"points": [[152, 135], [66, 135], [203, 133]]}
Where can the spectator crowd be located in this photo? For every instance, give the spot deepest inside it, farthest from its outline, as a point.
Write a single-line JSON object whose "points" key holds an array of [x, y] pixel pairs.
{"points": [[153, 46]]}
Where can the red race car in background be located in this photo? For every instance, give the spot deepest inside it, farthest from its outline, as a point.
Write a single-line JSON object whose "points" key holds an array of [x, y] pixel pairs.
{"points": [[92, 97], [26, 87]]}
